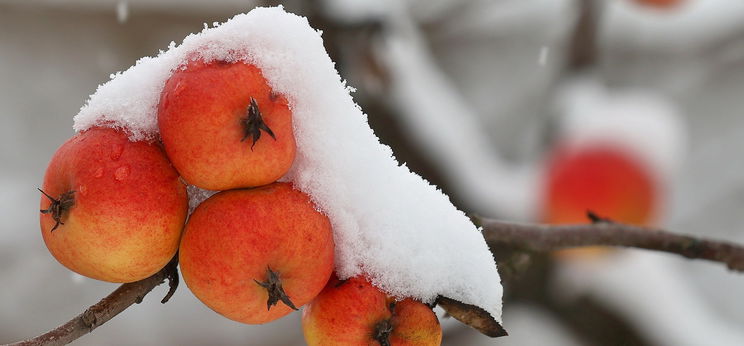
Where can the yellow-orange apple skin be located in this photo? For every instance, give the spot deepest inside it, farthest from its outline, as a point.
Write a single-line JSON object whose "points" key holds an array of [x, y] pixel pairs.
{"points": [[129, 206], [202, 119], [232, 238], [350, 312]]}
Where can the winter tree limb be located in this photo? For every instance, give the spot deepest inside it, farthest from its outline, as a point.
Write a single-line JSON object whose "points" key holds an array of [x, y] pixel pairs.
{"points": [[516, 236], [541, 238], [107, 308]]}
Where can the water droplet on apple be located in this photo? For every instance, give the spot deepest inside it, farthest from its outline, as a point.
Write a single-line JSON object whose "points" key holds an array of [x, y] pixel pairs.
{"points": [[121, 173], [83, 189], [116, 151], [98, 172]]}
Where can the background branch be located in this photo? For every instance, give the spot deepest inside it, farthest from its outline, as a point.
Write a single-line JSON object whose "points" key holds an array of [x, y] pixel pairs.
{"points": [[541, 238], [498, 234]]}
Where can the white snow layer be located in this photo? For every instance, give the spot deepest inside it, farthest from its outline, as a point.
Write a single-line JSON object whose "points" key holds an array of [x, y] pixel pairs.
{"points": [[639, 121], [389, 223]]}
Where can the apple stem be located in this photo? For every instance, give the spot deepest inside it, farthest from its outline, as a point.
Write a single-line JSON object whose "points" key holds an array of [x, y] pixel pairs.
{"points": [[58, 207], [253, 123], [276, 293]]}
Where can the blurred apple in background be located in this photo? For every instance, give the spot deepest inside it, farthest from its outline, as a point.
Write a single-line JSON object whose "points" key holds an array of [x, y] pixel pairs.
{"points": [[662, 4], [615, 153], [604, 179]]}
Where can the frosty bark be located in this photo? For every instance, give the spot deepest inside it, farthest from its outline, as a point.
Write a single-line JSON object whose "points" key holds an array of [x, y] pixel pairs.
{"points": [[540, 238], [107, 308]]}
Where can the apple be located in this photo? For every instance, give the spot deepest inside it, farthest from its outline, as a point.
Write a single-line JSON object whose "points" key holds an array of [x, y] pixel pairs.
{"points": [[354, 312], [602, 178], [112, 209], [223, 127], [255, 255], [662, 4]]}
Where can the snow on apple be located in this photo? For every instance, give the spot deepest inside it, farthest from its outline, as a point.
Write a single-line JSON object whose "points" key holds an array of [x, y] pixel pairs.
{"points": [[389, 224]]}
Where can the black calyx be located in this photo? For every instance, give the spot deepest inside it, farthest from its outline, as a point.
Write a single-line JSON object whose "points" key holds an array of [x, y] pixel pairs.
{"points": [[276, 293], [59, 206], [253, 124]]}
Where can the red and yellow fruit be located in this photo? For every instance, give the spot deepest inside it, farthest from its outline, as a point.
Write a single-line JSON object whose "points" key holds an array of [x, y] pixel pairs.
{"points": [[602, 179], [253, 255], [113, 210], [223, 127], [353, 312]]}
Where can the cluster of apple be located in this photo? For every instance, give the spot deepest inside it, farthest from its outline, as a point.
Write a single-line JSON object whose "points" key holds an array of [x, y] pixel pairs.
{"points": [[116, 210]]}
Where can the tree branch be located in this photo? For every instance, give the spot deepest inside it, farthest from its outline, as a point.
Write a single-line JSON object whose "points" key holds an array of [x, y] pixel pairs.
{"points": [[516, 236], [541, 238], [107, 308]]}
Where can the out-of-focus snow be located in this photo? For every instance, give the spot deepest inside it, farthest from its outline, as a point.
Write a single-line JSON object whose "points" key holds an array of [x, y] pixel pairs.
{"points": [[694, 24], [438, 118], [659, 302], [122, 11], [671, 50], [389, 224], [646, 125]]}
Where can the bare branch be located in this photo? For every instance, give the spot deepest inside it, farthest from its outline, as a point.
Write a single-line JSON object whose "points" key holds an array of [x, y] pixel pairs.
{"points": [[540, 238], [516, 236], [107, 308]]}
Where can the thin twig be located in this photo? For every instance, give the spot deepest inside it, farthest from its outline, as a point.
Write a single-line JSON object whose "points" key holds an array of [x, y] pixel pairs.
{"points": [[107, 308], [541, 238]]}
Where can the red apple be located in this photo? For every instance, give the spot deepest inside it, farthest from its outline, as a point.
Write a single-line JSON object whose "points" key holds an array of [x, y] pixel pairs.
{"points": [[353, 312], [223, 127], [662, 4], [254, 255], [112, 209], [603, 179]]}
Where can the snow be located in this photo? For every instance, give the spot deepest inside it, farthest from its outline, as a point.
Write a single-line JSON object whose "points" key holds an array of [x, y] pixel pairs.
{"points": [[659, 302], [122, 11], [449, 130], [693, 25], [647, 125], [389, 223]]}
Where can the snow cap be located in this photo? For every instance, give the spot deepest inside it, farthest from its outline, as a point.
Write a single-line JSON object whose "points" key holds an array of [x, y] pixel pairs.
{"points": [[389, 224]]}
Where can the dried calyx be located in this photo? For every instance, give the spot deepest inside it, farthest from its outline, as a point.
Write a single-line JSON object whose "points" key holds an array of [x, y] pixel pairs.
{"points": [[384, 328], [253, 124], [274, 286], [58, 207]]}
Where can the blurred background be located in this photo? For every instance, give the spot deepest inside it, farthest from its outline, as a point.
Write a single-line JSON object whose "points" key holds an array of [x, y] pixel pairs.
{"points": [[528, 110]]}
